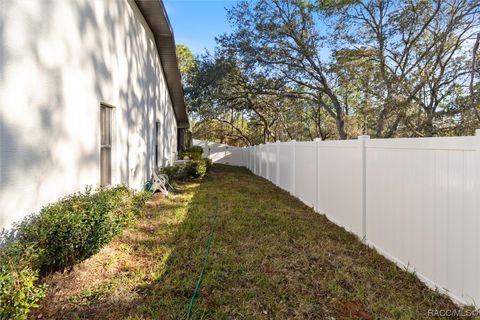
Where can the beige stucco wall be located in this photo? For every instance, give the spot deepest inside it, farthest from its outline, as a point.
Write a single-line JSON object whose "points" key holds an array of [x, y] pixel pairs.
{"points": [[58, 61]]}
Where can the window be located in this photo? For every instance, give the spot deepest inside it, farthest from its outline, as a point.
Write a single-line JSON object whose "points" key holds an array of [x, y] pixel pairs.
{"points": [[106, 123], [157, 131]]}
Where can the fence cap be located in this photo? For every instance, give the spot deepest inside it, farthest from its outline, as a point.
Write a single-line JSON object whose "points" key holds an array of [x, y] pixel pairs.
{"points": [[317, 139], [364, 137], [477, 132]]}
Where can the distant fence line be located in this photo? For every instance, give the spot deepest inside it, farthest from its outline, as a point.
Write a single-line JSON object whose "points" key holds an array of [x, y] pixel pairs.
{"points": [[416, 200]]}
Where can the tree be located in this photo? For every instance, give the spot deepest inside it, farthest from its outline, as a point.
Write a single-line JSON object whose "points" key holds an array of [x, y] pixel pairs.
{"points": [[282, 39], [298, 69], [186, 63], [418, 50]]}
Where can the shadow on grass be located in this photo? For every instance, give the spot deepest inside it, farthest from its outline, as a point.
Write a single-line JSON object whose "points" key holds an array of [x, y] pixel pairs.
{"points": [[271, 257]]}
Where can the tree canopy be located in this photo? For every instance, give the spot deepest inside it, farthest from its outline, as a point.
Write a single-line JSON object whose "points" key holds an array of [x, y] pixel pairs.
{"points": [[298, 69]]}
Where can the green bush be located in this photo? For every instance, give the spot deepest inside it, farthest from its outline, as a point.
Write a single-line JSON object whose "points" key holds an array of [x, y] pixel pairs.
{"points": [[174, 173], [19, 291], [191, 169], [196, 169], [138, 202], [77, 226], [62, 234], [193, 153], [208, 163]]}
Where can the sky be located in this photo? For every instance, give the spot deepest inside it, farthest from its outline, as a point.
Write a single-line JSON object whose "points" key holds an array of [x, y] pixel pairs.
{"points": [[196, 23]]}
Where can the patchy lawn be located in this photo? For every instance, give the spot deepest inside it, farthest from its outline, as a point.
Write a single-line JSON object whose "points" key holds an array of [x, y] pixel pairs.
{"points": [[271, 258]]}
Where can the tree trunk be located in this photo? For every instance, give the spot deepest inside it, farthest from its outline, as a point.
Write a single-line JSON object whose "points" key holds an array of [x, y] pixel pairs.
{"points": [[340, 122]]}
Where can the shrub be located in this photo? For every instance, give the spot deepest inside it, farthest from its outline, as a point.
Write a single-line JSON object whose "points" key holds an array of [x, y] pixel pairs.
{"points": [[196, 169], [193, 153], [61, 235], [191, 169], [208, 163], [138, 202], [77, 226], [174, 173], [19, 290]]}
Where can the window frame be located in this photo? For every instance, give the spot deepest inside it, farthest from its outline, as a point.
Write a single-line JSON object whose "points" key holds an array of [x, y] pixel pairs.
{"points": [[107, 121], [157, 144]]}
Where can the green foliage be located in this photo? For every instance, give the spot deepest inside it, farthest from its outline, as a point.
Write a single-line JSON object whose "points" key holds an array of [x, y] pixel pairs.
{"points": [[193, 153], [208, 163], [186, 62], [77, 226], [192, 169], [300, 69], [174, 173], [196, 169], [19, 291], [62, 234], [138, 202], [333, 5]]}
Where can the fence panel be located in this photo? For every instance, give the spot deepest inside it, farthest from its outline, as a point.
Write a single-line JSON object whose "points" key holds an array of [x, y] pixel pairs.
{"points": [[257, 160], [305, 172], [285, 158], [263, 161], [272, 162], [340, 183], [222, 153], [422, 208], [235, 156]]}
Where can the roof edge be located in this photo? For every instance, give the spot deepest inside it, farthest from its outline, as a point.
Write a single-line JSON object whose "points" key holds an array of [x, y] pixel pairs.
{"points": [[157, 19]]}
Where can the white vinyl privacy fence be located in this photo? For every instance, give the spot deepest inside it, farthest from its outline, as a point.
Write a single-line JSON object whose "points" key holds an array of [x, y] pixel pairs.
{"points": [[222, 153], [416, 200]]}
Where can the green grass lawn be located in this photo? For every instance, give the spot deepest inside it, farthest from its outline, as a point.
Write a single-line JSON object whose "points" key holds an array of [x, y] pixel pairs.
{"points": [[271, 258]]}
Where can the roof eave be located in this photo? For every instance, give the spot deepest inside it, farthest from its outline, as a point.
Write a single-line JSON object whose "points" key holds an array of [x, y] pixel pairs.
{"points": [[156, 17]]}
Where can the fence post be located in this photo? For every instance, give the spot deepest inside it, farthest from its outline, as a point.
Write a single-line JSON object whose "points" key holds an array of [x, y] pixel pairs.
{"points": [[477, 136], [257, 159], [317, 182], [363, 141], [251, 157], [267, 159], [260, 159], [292, 142], [254, 154], [244, 157], [254, 160], [277, 162]]}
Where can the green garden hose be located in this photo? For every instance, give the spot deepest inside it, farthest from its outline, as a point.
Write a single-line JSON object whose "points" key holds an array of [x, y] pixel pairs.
{"points": [[202, 272]]}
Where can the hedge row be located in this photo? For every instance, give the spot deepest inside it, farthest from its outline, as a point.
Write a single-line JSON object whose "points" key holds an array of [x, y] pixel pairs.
{"points": [[192, 153], [61, 235], [191, 169]]}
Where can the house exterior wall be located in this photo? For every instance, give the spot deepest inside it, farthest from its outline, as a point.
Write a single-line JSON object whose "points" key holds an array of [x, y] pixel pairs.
{"points": [[59, 60]]}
